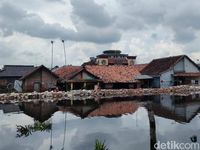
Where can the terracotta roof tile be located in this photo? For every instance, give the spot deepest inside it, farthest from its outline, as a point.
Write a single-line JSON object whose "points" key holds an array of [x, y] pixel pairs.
{"points": [[67, 71], [113, 74]]}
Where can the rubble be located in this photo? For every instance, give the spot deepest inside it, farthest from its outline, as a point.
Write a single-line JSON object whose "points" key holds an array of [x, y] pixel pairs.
{"points": [[183, 90]]}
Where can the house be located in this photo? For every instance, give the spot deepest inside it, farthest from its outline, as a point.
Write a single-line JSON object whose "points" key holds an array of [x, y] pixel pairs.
{"points": [[65, 73], [75, 78], [111, 57], [107, 77], [169, 71], [39, 79], [10, 73]]}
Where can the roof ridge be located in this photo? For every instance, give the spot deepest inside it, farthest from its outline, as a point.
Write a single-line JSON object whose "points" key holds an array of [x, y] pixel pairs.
{"points": [[170, 57]]}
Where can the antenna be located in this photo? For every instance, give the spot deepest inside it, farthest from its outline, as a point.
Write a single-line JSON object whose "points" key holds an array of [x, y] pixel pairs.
{"points": [[52, 54], [63, 41]]}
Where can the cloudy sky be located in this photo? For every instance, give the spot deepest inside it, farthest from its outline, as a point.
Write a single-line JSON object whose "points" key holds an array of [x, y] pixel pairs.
{"points": [[148, 29]]}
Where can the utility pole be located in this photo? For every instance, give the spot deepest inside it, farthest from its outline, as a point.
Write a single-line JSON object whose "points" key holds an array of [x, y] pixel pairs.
{"points": [[64, 50], [52, 54]]}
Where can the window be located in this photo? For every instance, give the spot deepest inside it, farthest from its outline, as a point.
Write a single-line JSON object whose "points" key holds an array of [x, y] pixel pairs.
{"points": [[195, 82]]}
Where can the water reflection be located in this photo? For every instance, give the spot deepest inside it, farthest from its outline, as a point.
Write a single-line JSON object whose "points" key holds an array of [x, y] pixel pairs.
{"points": [[122, 123]]}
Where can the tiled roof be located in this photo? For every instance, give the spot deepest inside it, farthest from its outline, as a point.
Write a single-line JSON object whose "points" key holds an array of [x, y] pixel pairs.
{"points": [[157, 66], [113, 74], [187, 74], [15, 70], [115, 109], [67, 71]]}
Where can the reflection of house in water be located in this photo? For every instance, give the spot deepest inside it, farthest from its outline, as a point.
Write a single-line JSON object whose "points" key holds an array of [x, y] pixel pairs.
{"points": [[80, 110], [10, 108], [114, 109], [107, 109], [40, 111], [180, 109]]}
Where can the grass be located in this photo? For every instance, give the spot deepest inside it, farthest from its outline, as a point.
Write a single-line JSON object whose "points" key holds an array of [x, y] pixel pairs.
{"points": [[100, 145]]}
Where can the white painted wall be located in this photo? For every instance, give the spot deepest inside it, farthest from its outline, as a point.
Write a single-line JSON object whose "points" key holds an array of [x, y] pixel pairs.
{"points": [[179, 67], [185, 65], [166, 79], [190, 67]]}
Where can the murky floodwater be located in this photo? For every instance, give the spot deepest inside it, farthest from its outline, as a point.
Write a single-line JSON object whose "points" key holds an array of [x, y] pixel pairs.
{"points": [[123, 124]]}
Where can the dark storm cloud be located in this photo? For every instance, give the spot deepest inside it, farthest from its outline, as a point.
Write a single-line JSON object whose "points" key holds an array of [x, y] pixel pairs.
{"points": [[92, 13], [182, 17], [14, 19], [139, 15]]}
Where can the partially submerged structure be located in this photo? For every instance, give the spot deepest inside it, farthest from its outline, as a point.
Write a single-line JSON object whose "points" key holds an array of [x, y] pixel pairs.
{"points": [[170, 71], [39, 79], [10, 73], [107, 77]]}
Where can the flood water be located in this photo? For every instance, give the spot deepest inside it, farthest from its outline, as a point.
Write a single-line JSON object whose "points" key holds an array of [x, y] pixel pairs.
{"points": [[122, 124]]}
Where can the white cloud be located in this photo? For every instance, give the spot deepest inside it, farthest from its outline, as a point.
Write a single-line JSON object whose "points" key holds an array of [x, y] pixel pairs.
{"points": [[148, 29]]}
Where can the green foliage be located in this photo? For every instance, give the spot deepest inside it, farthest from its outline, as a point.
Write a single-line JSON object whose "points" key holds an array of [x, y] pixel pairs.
{"points": [[100, 146], [29, 129]]}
